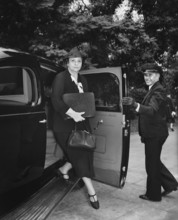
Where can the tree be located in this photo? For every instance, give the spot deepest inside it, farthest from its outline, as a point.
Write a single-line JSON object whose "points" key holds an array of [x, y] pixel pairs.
{"points": [[160, 21], [50, 29]]}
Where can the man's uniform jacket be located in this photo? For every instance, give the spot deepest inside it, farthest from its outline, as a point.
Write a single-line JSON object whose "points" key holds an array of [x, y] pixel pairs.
{"points": [[152, 113]]}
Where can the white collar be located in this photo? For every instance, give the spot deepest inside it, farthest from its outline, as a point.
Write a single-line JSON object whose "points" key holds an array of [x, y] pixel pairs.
{"points": [[78, 84], [150, 87]]}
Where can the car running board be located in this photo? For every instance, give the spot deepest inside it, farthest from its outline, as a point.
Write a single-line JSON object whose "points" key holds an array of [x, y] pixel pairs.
{"points": [[41, 204]]}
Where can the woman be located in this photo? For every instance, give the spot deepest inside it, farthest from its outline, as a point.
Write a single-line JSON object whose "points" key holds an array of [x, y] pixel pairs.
{"points": [[81, 161]]}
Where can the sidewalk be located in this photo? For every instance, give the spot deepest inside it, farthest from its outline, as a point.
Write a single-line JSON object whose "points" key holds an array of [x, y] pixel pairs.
{"points": [[124, 204]]}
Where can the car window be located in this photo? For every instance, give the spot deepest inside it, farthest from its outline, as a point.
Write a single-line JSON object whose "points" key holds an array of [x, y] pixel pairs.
{"points": [[105, 87], [17, 86]]}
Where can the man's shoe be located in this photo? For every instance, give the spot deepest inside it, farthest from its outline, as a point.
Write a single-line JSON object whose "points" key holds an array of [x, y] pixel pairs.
{"points": [[166, 192], [145, 197]]}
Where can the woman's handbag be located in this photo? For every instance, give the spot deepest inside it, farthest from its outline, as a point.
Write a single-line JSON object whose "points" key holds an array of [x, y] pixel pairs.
{"points": [[82, 139]]}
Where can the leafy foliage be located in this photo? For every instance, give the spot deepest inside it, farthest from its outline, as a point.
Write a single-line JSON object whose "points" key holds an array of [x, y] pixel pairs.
{"points": [[104, 7], [160, 20], [52, 27]]}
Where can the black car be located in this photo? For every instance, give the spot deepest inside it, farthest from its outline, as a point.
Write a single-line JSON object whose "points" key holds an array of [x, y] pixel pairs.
{"points": [[28, 150]]}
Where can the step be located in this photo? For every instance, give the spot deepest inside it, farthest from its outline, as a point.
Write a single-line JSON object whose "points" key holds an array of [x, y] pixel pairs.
{"points": [[41, 204]]}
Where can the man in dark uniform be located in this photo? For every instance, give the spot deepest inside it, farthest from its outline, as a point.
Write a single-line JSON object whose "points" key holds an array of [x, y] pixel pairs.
{"points": [[154, 132]]}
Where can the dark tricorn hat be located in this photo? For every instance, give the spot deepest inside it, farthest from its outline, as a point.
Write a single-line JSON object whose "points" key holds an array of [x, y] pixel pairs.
{"points": [[74, 52], [151, 68]]}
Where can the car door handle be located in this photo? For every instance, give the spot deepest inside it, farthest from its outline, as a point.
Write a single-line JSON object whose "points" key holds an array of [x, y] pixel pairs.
{"points": [[43, 121], [99, 123], [123, 121]]}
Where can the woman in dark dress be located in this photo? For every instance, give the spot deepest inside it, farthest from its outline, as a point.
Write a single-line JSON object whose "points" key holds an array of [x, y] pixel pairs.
{"points": [[81, 161]]}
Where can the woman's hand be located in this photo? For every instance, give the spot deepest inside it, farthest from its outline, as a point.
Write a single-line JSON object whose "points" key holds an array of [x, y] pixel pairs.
{"points": [[76, 116]]}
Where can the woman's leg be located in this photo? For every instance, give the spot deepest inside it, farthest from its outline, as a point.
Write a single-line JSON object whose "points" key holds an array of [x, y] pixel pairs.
{"points": [[90, 188], [65, 169], [61, 138], [91, 193]]}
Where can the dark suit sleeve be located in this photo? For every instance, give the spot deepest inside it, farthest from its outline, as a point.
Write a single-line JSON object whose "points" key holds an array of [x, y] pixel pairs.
{"points": [[57, 93], [84, 83], [154, 103]]}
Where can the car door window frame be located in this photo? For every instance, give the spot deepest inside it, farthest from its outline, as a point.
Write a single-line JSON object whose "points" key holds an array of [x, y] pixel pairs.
{"points": [[107, 94], [28, 95]]}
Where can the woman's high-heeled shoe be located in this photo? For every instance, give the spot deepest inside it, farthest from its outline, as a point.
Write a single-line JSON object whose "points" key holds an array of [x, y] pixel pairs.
{"points": [[65, 176], [95, 202]]}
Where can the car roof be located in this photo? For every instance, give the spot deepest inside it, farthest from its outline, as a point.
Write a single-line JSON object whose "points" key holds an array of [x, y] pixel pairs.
{"points": [[7, 52], [17, 57], [13, 54], [10, 57]]}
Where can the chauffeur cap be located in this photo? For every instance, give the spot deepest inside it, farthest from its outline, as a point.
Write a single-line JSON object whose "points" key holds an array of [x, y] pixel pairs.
{"points": [[151, 68]]}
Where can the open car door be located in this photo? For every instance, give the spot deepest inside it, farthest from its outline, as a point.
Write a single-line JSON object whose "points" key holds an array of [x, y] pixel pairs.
{"points": [[110, 125]]}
